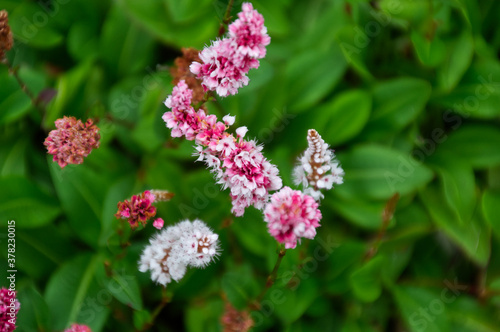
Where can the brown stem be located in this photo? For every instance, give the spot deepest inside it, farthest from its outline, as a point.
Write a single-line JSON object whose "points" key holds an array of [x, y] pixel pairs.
{"points": [[226, 19], [270, 279], [386, 220]]}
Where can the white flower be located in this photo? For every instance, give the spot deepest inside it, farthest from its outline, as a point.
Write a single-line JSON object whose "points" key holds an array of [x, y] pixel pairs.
{"points": [[175, 248], [241, 131], [229, 120], [317, 168]]}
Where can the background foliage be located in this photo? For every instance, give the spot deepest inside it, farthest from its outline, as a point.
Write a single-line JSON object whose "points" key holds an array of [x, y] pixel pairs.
{"points": [[407, 92]]}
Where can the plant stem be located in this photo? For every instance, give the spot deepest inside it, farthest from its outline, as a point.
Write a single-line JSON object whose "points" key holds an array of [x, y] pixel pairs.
{"points": [[386, 220], [270, 279], [14, 72], [165, 299], [226, 18]]}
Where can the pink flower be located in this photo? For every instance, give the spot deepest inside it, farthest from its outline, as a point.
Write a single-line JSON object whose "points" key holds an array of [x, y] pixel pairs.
{"points": [[226, 62], [291, 215], [249, 32], [9, 306], [78, 328], [138, 209], [181, 97], [72, 140], [158, 223], [223, 69], [238, 164]]}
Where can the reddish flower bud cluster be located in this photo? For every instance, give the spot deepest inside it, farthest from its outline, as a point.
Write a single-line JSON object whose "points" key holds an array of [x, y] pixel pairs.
{"points": [[138, 210], [72, 140], [180, 71], [235, 321], [6, 40]]}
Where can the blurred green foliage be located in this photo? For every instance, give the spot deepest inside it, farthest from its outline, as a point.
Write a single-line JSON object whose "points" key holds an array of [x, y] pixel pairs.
{"points": [[407, 92]]}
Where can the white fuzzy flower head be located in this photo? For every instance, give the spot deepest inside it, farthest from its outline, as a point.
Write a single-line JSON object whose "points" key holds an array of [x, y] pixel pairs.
{"points": [[175, 248], [318, 167]]}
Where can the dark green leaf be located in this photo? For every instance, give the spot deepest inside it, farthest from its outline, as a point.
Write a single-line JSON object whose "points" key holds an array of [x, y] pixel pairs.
{"points": [[27, 204]]}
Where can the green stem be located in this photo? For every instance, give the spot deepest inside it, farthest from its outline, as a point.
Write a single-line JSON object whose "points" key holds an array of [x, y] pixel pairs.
{"points": [[270, 279], [14, 72], [165, 299], [226, 18]]}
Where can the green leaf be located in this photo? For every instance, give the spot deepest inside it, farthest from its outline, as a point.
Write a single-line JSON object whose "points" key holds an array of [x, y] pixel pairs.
{"points": [[125, 47], [69, 91], [39, 251], [366, 280], [344, 117], [422, 309], [153, 16], [290, 303], [14, 102], [396, 104], [24, 201], [141, 318], [377, 172], [475, 144], [458, 60], [33, 26], [490, 204], [312, 75], [341, 263], [458, 183], [204, 316], [122, 285], [73, 295], [361, 212], [468, 315], [239, 286], [470, 235], [430, 50], [81, 191], [34, 314], [187, 10], [354, 44]]}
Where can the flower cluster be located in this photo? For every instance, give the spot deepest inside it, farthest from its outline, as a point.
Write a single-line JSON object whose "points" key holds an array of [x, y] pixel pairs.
{"points": [[291, 215], [9, 306], [72, 140], [6, 40], [235, 321], [175, 248], [238, 164], [78, 328], [226, 62], [140, 208], [314, 164]]}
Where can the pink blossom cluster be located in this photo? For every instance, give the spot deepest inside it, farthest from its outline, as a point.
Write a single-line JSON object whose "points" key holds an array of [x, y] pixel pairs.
{"points": [[9, 306], [291, 215], [227, 61], [72, 140], [238, 164], [78, 328]]}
